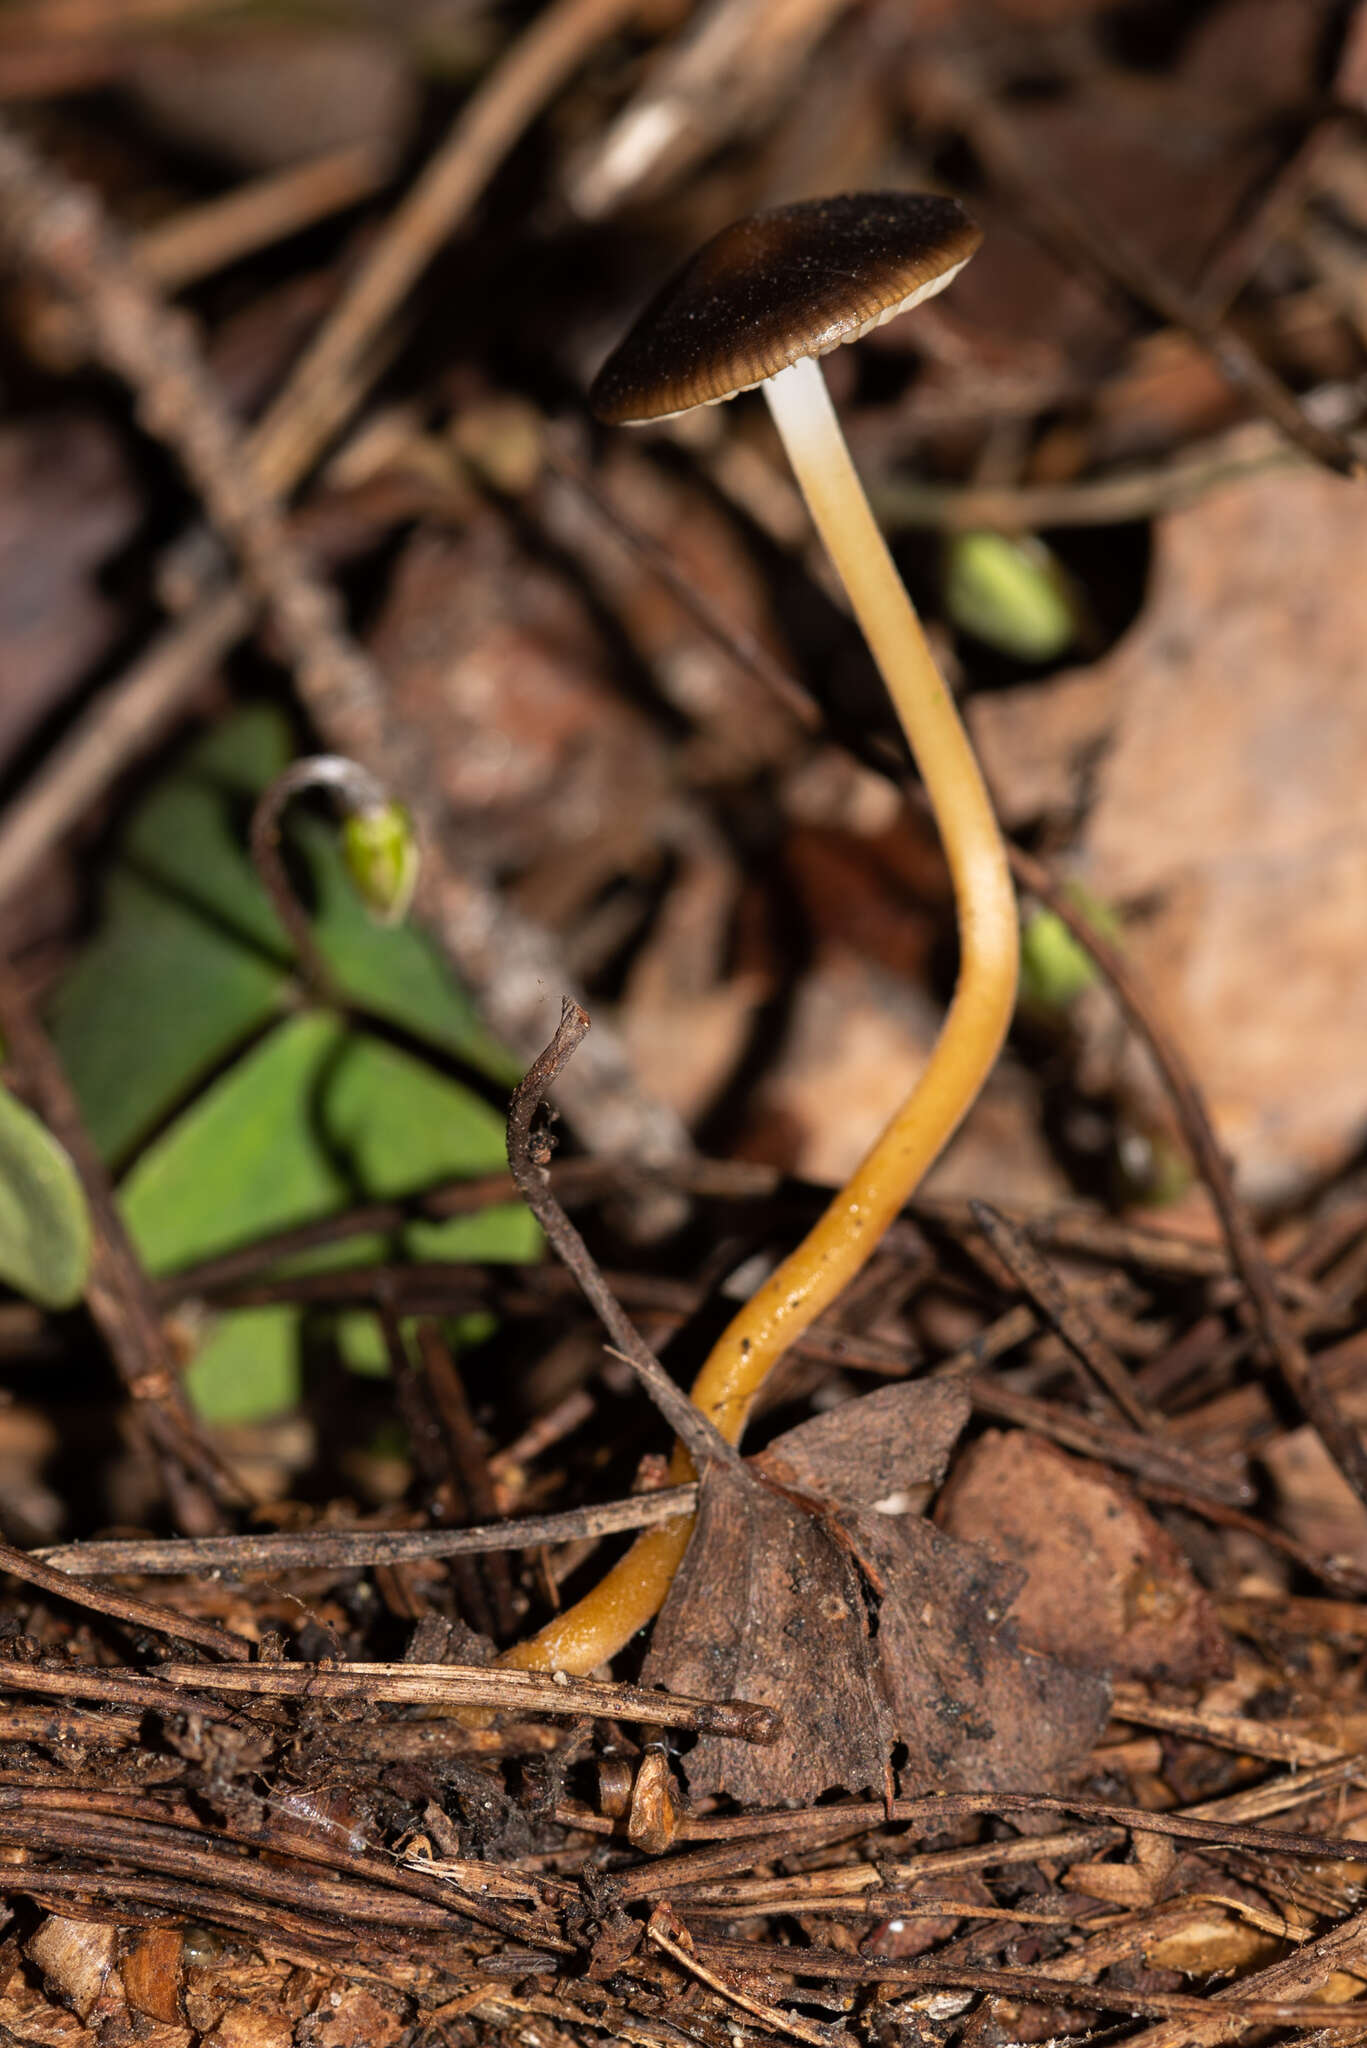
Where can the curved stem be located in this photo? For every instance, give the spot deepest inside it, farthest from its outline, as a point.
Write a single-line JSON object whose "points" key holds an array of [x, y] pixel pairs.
{"points": [[361, 795], [848, 1231]]}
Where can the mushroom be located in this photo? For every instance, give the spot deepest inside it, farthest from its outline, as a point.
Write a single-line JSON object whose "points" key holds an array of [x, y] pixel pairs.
{"points": [[759, 305]]}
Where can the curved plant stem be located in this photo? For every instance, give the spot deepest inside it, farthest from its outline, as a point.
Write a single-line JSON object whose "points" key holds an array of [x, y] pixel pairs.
{"points": [[848, 1231], [359, 792]]}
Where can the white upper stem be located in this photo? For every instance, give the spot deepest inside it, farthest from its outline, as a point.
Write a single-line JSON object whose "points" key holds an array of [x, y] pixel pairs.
{"points": [[988, 934]]}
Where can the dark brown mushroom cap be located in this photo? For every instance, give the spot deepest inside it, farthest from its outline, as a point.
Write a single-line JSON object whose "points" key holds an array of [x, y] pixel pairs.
{"points": [[781, 285]]}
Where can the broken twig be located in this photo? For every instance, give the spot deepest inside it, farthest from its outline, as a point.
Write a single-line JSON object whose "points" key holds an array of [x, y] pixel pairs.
{"points": [[498, 1687], [528, 1155], [354, 1549]]}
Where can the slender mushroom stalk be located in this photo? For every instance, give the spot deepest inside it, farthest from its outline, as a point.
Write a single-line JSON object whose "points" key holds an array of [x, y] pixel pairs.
{"points": [[783, 289]]}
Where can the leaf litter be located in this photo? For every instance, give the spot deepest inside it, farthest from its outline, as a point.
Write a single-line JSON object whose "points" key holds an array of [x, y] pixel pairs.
{"points": [[1068, 1723], [824, 1575]]}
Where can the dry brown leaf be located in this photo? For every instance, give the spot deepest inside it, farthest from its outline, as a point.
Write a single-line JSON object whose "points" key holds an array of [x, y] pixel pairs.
{"points": [[1105, 1586], [737, 723], [496, 670], [220, 1996], [252, 2026], [1037, 741], [766, 1607], [875, 1449], [685, 1020], [974, 1707], [857, 1042], [1231, 797], [66, 505], [1227, 808], [865, 1629]]}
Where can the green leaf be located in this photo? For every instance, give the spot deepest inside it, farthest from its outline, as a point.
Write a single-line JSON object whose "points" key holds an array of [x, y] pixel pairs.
{"points": [[248, 1367], [157, 1001], [44, 1223], [189, 966], [189, 836], [319, 1117], [191, 962], [1011, 593]]}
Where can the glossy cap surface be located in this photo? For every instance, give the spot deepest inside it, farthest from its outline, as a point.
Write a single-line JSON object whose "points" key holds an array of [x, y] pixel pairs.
{"points": [[794, 282]]}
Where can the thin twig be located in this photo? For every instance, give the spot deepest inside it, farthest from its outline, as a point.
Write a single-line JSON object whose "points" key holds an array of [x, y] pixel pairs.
{"points": [[701, 1876], [1154, 1461], [1065, 1315], [943, 1808], [124, 1607], [724, 75], [439, 1287], [412, 1396], [358, 790], [467, 1465], [1232, 263], [1239, 1732], [116, 1688], [1340, 1437], [575, 1180], [1337, 1571], [833, 1967], [674, 1939], [355, 1549], [745, 649], [455, 1685], [1110, 256], [725, 1180], [1116, 499], [936, 1812], [123, 721], [119, 1896], [312, 404], [199, 240], [490, 1889], [528, 1155]]}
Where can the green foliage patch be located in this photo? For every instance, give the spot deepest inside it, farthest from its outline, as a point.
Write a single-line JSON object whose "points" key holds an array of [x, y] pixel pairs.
{"points": [[44, 1224], [237, 1112]]}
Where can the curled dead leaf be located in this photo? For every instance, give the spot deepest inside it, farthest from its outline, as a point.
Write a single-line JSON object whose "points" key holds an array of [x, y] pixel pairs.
{"points": [[869, 1630]]}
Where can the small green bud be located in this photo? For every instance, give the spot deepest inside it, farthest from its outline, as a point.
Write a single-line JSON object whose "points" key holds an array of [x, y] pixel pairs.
{"points": [[1055, 968], [381, 854], [1010, 592]]}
